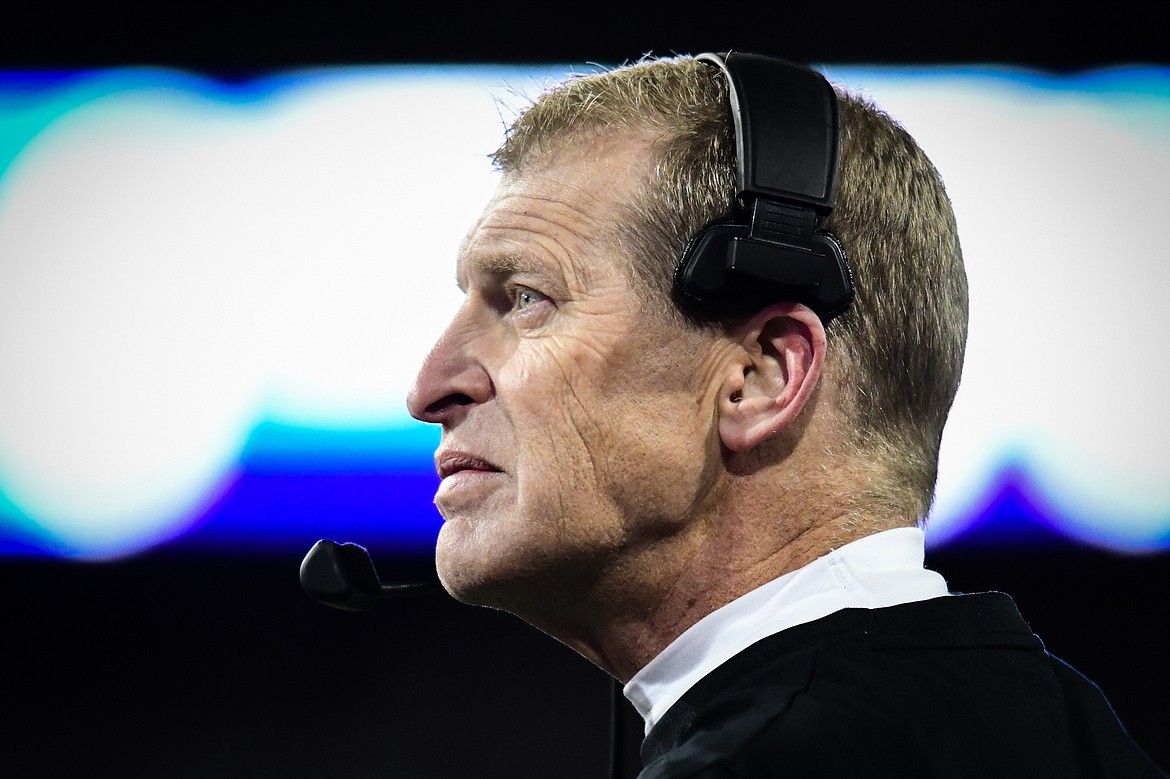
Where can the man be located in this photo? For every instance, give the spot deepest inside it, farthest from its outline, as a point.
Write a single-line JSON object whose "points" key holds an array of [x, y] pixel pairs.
{"points": [[720, 506]]}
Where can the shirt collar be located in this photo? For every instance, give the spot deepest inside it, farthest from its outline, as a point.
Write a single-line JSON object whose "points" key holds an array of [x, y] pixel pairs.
{"points": [[883, 569]]}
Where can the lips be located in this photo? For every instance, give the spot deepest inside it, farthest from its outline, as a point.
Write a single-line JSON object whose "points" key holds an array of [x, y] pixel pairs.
{"points": [[450, 462]]}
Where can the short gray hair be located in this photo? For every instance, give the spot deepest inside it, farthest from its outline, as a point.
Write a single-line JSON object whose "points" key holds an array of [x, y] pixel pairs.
{"points": [[896, 356]]}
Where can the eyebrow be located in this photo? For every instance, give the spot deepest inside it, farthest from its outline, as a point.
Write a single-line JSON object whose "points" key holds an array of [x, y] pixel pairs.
{"points": [[501, 265], [505, 264]]}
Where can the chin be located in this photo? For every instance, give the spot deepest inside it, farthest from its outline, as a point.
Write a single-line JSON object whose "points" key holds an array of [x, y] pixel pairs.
{"points": [[468, 569], [476, 589], [501, 577]]}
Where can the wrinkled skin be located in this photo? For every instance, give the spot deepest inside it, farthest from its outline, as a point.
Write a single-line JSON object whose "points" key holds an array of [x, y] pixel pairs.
{"points": [[579, 431]]}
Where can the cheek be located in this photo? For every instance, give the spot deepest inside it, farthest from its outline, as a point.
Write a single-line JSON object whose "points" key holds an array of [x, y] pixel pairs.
{"points": [[546, 392], [622, 434], [662, 436], [660, 461]]}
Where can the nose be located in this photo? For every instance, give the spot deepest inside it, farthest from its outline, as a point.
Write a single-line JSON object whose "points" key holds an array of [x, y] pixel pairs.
{"points": [[452, 379]]}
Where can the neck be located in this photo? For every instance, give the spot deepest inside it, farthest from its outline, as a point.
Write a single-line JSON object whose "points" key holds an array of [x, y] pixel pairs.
{"points": [[639, 610], [757, 524]]}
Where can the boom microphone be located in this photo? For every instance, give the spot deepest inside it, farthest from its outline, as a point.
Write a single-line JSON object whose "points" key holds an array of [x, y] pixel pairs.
{"points": [[343, 576]]}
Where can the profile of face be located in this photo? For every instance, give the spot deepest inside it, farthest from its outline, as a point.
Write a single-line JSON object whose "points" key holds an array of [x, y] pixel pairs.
{"points": [[577, 428]]}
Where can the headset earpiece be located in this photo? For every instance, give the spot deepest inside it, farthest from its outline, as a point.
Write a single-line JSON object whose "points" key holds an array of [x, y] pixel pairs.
{"points": [[787, 141]]}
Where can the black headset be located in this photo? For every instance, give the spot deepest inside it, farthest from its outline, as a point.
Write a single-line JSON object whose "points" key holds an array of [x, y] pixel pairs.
{"points": [[787, 140]]}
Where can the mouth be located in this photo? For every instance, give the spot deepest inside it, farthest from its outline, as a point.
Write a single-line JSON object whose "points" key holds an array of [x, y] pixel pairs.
{"points": [[464, 477], [451, 462]]}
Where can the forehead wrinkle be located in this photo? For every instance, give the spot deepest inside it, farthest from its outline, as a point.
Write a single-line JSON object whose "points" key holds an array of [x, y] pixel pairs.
{"points": [[522, 235], [582, 223]]}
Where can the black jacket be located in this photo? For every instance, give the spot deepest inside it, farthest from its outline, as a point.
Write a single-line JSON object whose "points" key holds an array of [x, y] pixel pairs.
{"points": [[951, 687]]}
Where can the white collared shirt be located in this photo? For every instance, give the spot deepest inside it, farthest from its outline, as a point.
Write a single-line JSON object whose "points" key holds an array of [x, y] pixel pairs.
{"points": [[883, 569]]}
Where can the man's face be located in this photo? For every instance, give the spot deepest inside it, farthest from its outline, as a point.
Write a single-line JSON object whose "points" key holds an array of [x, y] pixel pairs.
{"points": [[577, 428]]}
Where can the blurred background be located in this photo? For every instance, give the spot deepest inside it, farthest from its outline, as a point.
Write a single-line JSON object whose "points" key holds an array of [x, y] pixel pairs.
{"points": [[226, 243]]}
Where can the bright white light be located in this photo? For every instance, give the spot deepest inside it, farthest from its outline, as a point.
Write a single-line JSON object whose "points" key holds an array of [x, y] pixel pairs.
{"points": [[175, 271]]}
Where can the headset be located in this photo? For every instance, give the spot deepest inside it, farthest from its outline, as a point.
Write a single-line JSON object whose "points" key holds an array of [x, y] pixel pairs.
{"points": [[787, 140]]}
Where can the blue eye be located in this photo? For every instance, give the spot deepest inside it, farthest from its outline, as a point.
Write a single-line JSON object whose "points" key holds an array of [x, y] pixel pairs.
{"points": [[526, 297]]}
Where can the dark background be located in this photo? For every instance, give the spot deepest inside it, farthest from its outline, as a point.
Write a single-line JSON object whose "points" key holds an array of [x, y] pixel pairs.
{"points": [[173, 666], [177, 665], [229, 36]]}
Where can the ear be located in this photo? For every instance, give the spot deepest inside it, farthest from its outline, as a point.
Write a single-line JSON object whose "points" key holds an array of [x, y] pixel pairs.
{"points": [[783, 350]]}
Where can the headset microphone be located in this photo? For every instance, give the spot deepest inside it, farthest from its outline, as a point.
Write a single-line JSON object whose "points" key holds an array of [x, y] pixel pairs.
{"points": [[343, 576]]}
